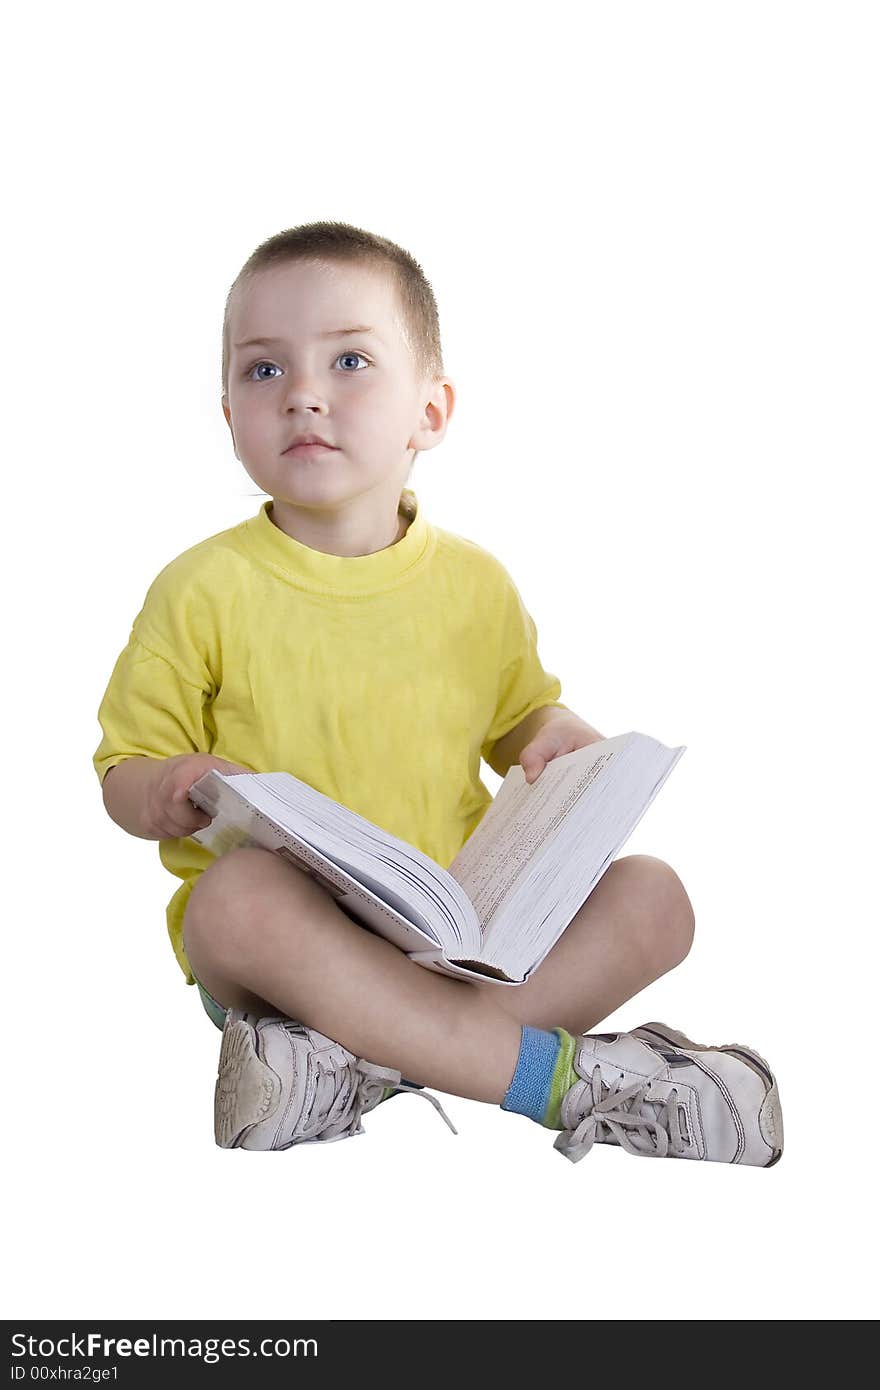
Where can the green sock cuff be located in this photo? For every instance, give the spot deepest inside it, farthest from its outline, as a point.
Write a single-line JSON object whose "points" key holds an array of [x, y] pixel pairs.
{"points": [[563, 1078]]}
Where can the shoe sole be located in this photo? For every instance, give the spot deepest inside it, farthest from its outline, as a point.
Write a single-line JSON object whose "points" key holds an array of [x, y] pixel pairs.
{"points": [[770, 1114], [247, 1090]]}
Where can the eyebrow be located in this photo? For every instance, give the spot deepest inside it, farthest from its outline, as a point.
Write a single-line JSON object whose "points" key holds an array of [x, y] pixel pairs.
{"points": [[332, 333]]}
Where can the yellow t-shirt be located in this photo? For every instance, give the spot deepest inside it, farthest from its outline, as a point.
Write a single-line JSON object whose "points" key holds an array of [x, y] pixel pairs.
{"points": [[380, 680]]}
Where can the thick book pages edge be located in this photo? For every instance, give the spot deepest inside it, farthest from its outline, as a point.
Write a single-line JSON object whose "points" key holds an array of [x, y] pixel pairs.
{"points": [[351, 896], [412, 886]]}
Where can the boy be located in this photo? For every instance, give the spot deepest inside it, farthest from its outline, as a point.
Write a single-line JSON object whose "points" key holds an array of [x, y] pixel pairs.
{"points": [[339, 636]]}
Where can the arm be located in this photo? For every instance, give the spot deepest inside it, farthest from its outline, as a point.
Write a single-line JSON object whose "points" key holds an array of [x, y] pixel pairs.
{"points": [[544, 734], [149, 798], [125, 789]]}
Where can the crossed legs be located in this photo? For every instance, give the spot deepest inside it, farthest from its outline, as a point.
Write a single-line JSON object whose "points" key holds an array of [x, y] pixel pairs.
{"points": [[263, 936]]}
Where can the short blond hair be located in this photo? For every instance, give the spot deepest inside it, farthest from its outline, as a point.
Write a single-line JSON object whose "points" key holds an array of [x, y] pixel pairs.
{"points": [[338, 242]]}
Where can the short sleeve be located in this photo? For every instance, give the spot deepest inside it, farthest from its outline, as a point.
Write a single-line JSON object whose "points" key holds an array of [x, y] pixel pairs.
{"points": [[148, 710], [523, 684], [154, 705]]}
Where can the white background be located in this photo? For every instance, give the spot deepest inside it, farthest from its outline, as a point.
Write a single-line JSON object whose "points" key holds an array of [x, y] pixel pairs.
{"points": [[652, 231]]}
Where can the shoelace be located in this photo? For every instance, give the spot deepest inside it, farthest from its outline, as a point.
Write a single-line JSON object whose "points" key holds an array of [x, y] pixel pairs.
{"points": [[619, 1111], [375, 1079], [344, 1090]]}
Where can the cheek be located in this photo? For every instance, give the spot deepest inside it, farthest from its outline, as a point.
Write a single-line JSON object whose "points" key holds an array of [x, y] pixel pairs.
{"points": [[368, 408], [259, 420]]}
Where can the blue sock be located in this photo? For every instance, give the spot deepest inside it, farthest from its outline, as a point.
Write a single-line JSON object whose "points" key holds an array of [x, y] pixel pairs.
{"points": [[529, 1091]]}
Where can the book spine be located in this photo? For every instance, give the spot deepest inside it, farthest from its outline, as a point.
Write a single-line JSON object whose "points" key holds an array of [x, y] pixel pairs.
{"points": [[435, 960]]}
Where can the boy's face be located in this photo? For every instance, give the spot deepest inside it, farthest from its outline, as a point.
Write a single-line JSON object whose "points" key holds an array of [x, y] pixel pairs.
{"points": [[358, 391]]}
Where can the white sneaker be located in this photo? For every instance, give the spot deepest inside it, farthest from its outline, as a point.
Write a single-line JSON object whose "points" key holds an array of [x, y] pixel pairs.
{"points": [[280, 1083], [659, 1095]]}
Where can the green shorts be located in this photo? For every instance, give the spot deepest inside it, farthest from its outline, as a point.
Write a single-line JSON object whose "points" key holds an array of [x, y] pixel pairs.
{"points": [[216, 1012]]}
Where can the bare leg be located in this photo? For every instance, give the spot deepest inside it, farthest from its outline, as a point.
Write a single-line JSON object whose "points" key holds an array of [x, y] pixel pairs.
{"points": [[637, 924], [257, 927]]}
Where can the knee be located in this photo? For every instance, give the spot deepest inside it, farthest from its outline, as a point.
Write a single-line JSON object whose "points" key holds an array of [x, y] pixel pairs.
{"points": [[668, 916], [232, 876], [223, 908]]}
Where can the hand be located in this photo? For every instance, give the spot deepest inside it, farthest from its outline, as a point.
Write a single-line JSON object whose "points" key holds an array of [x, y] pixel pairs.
{"points": [[169, 812], [564, 734]]}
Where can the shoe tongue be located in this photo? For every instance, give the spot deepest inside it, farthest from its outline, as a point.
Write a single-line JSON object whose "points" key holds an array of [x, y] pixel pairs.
{"points": [[621, 1052]]}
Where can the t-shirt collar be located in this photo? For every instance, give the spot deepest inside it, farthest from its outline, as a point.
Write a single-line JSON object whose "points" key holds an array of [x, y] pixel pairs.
{"points": [[341, 574]]}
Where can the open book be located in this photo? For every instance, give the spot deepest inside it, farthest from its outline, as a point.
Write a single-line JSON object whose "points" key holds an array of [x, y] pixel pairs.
{"points": [[508, 894]]}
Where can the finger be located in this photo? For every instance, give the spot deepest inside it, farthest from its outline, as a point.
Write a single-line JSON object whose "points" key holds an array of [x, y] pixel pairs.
{"points": [[179, 830]]}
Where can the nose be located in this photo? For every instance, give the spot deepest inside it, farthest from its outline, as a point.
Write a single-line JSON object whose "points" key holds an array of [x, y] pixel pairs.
{"points": [[303, 394]]}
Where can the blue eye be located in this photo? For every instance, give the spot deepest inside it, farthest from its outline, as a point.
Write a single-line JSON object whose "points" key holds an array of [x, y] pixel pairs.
{"points": [[257, 365], [261, 364], [352, 354]]}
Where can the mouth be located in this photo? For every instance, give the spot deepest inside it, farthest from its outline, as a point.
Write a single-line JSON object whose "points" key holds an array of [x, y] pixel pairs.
{"points": [[310, 447]]}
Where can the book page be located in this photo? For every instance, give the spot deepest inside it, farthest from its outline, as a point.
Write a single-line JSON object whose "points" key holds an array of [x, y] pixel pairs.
{"points": [[246, 806], [520, 820], [239, 822]]}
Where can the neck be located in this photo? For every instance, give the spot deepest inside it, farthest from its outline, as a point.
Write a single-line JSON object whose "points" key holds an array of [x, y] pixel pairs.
{"points": [[346, 537]]}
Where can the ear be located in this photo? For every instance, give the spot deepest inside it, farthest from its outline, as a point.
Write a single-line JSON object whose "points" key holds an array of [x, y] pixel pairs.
{"points": [[436, 415], [228, 413]]}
